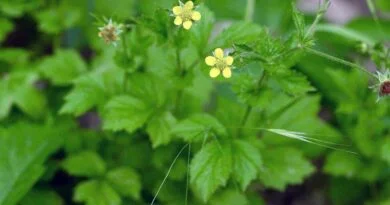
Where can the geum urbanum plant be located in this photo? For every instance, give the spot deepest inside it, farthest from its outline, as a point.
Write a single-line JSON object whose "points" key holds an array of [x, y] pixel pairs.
{"points": [[158, 86]]}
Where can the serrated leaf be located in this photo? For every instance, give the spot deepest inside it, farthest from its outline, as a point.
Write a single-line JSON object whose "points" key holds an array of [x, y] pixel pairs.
{"points": [[63, 67], [125, 113], [229, 197], [159, 128], [211, 169], [351, 166], [342, 164], [23, 149], [299, 22], [17, 8], [54, 20], [94, 192], [200, 33], [194, 128], [6, 26], [92, 90], [284, 166], [18, 88], [291, 82], [247, 162], [126, 182], [85, 164], [42, 197], [385, 150], [238, 33], [148, 88]]}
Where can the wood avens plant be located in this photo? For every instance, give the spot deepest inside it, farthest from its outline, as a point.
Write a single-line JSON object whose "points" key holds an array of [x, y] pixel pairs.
{"points": [[172, 107]]}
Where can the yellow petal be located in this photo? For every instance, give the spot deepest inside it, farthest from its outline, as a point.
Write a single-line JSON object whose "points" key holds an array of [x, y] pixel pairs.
{"points": [[177, 10], [218, 53], [214, 72], [211, 61], [187, 25], [229, 60], [189, 5], [227, 72], [196, 16], [178, 21]]}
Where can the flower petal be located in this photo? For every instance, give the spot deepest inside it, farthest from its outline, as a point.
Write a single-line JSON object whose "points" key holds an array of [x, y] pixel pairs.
{"points": [[218, 53], [196, 16], [229, 60], [227, 72], [178, 21], [211, 60], [187, 25], [189, 5], [177, 10], [214, 72]]}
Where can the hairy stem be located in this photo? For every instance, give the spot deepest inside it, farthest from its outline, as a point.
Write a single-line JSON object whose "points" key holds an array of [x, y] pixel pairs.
{"points": [[249, 108], [125, 50], [338, 60], [250, 10], [321, 11]]}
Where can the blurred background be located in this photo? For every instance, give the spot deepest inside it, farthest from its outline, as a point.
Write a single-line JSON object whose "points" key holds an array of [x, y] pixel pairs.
{"points": [[32, 30]]}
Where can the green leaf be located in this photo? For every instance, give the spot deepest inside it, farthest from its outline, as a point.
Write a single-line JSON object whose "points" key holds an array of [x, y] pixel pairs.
{"points": [[351, 166], [247, 162], [238, 33], [126, 182], [159, 128], [6, 26], [196, 127], [284, 166], [18, 88], [148, 88], [229, 197], [348, 34], [85, 164], [385, 150], [299, 22], [201, 31], [63, 67], [211, 169], [93, 90], [94, 192], [57, 19], [23, 150], [125, 113], [17, 8], [42, 197], [291, 82]]}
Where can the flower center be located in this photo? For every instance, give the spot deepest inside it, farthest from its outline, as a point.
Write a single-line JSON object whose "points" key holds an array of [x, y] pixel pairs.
{"points": [[220, 64], [109, 34], [186, 15], [385, 88]]}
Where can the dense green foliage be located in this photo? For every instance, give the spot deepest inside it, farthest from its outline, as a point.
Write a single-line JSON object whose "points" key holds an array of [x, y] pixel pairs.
{"points": [[84, 122]]}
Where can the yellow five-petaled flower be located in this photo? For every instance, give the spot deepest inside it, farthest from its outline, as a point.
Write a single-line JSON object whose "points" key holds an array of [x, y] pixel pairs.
{"points": [[184, 15], [220, 63]]}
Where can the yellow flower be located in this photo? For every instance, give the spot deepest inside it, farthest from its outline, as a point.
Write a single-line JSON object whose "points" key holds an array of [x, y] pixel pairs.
{"points": [[220, 63], [111, 32], [184, 15]]}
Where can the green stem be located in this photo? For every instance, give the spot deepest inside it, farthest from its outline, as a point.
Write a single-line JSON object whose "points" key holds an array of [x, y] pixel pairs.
{"points": [[338, 60], [321, 11], [250, 10], [374, 14], [125, 50], [181, 72], [249, 108]]}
